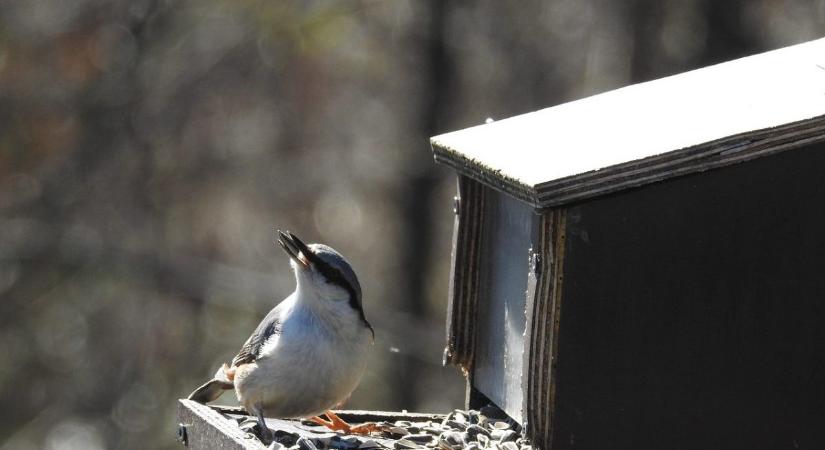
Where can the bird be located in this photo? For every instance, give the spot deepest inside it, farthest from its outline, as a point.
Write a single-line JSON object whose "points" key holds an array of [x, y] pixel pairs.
{"points": [[309, 352]]}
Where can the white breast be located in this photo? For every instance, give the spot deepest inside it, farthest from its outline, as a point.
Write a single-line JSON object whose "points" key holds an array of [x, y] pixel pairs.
{"points": [[313, 365]]}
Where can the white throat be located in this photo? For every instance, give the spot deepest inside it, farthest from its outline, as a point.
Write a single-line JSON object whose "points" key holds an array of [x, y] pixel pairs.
{"points": [[329, 303]]}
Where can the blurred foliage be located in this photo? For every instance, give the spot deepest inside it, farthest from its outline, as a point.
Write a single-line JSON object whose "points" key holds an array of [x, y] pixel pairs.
{"points": [[148, 149]]}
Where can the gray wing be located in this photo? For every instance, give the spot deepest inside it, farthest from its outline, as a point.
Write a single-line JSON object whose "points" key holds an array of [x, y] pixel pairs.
{"points": [[252, 347]]}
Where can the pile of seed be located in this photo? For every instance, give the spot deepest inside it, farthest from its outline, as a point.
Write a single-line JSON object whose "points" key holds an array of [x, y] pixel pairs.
{"points": [[459, 430]]}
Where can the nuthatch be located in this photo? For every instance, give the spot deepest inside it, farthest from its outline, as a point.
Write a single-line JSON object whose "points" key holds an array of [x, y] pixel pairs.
{"points": [[309, 352]]}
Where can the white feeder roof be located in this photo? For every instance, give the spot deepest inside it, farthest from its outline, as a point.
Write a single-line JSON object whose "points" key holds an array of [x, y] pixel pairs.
{"points": [[694, 121]]}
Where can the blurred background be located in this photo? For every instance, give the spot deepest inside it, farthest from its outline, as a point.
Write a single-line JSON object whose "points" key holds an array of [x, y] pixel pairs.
{"points": [[148, 150]]}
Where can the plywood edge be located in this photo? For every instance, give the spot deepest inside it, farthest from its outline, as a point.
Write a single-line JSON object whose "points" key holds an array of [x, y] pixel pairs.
{"points": [[486, 175], [462, 303], [543, 330]]}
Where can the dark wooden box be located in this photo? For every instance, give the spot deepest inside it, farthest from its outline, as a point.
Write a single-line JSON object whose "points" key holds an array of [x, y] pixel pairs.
{"points": [[645, 269]]}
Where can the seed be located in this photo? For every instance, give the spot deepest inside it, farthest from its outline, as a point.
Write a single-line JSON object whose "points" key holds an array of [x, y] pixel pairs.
{"points": [[248, 426], [450, 440], [406, 444], [339, 443], [398, 431], [456, 425], [475, 430], [459, 416], [483, 440], [420, 438], [508, 436], [306, 444]]}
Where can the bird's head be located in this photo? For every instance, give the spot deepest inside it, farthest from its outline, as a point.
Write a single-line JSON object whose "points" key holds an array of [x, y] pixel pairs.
{"points": [[322, 270]]}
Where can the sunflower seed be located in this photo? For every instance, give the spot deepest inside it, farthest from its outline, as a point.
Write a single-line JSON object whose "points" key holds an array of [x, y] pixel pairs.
{"points": [[420, 438], [339, 443], [508, 436], [450, 440], [474, 430], [483, 440], [406, 444], [456, 425], [398, 431], [306, 444]]}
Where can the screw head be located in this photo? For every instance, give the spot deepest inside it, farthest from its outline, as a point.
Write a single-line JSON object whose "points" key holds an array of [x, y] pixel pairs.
{"points": [[183, 437]]}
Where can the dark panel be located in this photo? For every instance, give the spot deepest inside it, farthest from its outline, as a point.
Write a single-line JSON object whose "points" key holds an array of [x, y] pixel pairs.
{"points": [[693, 312]]}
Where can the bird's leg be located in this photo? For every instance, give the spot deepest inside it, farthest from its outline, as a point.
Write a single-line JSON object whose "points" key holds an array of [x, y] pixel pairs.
{"points": [[335, 423], [322, 422], [266, 433]]}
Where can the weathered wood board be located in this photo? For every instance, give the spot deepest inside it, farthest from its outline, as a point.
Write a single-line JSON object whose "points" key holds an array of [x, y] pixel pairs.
{"points": [[203, 427]]}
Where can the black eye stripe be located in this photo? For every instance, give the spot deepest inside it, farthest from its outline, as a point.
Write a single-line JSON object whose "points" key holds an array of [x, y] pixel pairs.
{"points": [[328, 271], [336, 277]]}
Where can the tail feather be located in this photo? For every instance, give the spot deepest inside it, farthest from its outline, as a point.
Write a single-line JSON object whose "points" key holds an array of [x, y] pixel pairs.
{"points": [[210, 391]]}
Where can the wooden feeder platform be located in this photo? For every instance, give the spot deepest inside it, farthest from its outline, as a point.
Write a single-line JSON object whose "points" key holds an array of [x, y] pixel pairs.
{"points": [[225, 427]]}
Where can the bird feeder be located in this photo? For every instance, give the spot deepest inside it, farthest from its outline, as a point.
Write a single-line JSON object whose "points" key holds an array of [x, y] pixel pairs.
{"points": [[645, 268]]}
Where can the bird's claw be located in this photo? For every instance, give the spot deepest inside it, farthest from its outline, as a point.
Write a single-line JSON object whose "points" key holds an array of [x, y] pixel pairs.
{"points": [[366, 428], [335, 423]]}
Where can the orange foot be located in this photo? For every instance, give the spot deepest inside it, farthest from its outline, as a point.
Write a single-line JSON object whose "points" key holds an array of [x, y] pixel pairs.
{"points": [[335, 423]]}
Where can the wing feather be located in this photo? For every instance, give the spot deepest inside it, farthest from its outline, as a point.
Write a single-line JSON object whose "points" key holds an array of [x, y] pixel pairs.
{"points": [[251, 349]]}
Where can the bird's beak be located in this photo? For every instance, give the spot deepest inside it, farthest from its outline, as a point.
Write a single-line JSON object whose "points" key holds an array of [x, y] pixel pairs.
{"points": [[295, 248]]}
